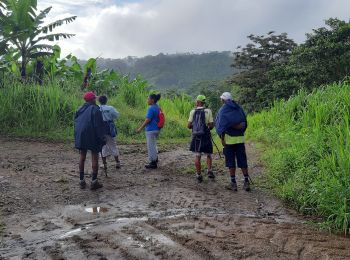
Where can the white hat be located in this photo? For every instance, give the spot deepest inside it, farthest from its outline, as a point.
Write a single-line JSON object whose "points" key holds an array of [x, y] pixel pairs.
{"points": [[226, 96]]}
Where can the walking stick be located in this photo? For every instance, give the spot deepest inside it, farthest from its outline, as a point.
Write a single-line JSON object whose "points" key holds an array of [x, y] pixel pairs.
{"points": [[217, 148]]}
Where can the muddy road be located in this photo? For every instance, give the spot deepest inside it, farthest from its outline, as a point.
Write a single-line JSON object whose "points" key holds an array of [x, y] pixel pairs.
{"points": [[139, 214]]}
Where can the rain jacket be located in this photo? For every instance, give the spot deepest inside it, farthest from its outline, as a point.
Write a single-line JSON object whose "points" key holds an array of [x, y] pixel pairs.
{"points": [[89, 130], [230, 114]]}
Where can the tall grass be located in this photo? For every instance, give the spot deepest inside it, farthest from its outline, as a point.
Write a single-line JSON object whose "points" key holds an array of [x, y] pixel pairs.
{"points": [[307, 152], [48, 111]]}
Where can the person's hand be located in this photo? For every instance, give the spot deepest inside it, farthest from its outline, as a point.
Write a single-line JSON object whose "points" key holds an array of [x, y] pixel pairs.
{"points": [[138, 130]]}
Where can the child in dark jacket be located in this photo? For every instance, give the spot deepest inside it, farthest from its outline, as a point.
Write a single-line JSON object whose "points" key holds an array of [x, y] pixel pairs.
{"points": [[89, 132]]}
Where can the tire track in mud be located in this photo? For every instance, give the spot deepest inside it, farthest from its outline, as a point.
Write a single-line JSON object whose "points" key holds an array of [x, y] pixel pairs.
{"points": [[163, 214]]}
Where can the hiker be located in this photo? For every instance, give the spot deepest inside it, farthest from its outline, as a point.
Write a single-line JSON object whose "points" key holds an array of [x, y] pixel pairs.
{"points": [[109, 114], [201, 122], [152, 130], [89, 134], [230, 124]]}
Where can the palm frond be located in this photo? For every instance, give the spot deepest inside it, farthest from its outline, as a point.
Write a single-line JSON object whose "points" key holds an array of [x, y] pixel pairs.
{"points": [[51, 26], [55, 36]]}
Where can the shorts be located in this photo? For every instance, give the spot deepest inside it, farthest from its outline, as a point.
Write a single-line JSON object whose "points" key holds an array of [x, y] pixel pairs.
{"points": [[235, 152], [110, 148], [202, 144]]}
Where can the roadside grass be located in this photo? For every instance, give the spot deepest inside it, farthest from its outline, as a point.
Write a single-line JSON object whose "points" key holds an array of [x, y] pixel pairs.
{"points": [[306, 144]]}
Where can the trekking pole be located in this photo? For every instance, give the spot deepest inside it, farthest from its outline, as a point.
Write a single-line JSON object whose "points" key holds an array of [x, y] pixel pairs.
{"points": [[217, 148]]}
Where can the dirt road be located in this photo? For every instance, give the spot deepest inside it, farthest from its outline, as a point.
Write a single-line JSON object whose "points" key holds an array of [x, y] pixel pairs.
{"points": [[139, 214]]}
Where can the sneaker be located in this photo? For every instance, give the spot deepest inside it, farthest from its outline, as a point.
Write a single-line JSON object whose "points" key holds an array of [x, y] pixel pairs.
{"points": [[246, 185], [151, 165], [95, 185], [117, 165], [211, 175], [199, 177], [82, 184]]}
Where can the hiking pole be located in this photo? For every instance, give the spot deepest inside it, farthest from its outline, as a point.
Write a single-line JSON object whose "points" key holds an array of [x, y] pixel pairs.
{"points": [[217, 148]]}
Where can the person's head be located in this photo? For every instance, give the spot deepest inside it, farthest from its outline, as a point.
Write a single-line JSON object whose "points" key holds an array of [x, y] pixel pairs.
{"points": [[90, 97], [103, 100], [153, 99], [200, 100], [226, 97]]}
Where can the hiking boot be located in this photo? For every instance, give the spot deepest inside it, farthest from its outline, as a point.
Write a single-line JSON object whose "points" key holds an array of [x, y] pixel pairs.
{"points": [[199, 178], [118, 165], [246, 185], [95, 185], [232, 186], [211, 175], [151, 165], [82, 184]]}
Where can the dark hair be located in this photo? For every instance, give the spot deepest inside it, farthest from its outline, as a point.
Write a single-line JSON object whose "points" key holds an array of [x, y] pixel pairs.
{"points": [[155, 97], [103, 100]]}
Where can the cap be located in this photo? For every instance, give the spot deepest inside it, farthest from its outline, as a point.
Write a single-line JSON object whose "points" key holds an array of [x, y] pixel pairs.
{"points": [[201, 98], [226, 96], [89, 96]]}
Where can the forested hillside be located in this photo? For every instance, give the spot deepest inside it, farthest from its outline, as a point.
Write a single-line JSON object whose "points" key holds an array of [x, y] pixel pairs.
{"points": [[175, 71]]}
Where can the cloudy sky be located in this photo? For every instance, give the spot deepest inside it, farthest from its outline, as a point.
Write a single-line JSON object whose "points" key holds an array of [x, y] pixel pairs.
{"points": [[120, 28]]}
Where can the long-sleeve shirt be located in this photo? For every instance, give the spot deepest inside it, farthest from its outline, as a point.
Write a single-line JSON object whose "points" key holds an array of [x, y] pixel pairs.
{"points": [[109, 113]]}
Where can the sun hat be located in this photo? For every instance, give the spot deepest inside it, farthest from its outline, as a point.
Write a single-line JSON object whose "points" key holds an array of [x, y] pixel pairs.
{"points": [[201, 98], [89, 96], [226, 96]]}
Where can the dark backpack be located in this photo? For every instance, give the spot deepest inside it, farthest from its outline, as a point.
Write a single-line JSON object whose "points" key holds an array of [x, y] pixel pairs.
{"points": [[199, 126]]}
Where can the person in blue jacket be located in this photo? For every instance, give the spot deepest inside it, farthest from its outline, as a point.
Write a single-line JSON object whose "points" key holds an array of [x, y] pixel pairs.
{"points": [[152, 130], [89, 134], [230, 124]]}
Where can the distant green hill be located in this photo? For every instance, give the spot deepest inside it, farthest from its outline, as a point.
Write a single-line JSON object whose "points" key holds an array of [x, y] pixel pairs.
{"points": [[175, 71]]}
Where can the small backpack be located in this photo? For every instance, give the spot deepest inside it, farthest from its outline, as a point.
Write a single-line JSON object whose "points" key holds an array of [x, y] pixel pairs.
{"points": [[161, 116], [199, 126]]}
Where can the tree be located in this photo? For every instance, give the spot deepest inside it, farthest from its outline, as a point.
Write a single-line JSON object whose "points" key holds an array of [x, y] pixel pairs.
{"points": [[255, 61], [323, 58], [22, 26]]}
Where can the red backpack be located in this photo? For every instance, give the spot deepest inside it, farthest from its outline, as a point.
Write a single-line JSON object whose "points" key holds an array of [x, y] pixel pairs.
{"points": [[161, 116]]}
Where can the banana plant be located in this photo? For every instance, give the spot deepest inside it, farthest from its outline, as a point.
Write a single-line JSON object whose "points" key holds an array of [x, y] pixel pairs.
{"points": [[22, 27]]}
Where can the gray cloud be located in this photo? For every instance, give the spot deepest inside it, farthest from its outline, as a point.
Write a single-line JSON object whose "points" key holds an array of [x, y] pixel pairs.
{"points": [[149, 27]]}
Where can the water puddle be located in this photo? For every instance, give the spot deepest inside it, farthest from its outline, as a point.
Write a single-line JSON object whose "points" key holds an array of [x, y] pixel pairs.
{"points": [[95, 210], [74, 231]]}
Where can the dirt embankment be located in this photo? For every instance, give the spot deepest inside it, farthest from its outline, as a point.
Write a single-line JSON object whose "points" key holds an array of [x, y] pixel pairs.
{"points": [[139, 214]]}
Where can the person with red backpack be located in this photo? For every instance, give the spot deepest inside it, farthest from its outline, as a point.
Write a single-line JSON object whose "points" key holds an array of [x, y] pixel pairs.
{"points": [[201, 121], [153, 123]]}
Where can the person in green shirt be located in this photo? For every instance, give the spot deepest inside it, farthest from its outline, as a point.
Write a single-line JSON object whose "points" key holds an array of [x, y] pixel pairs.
{"points": [[201, 121]]}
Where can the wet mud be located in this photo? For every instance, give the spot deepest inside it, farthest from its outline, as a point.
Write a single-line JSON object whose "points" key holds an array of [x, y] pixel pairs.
{"points": [[141, 214]]}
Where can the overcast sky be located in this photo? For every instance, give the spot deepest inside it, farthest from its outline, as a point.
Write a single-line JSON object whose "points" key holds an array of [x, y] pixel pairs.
{"points": [[120, 28]]}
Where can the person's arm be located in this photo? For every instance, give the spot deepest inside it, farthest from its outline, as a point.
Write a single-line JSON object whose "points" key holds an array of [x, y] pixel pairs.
{"points": [[223, 139], [146, 122], [190, 120], [115, 114]]}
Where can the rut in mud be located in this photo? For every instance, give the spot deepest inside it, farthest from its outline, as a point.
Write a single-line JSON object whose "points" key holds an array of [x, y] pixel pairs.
{"points": [[139, 214]]}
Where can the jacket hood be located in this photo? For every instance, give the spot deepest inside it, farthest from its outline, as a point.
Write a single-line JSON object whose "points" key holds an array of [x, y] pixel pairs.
{"points": [[83, 108]]}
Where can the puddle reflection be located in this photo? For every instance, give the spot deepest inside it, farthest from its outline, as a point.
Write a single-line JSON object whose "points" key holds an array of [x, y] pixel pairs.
{"points": [[96, 210]]}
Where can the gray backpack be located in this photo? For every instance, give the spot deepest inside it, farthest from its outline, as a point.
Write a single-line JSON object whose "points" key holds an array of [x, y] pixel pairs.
{"points": [[199, 126]]}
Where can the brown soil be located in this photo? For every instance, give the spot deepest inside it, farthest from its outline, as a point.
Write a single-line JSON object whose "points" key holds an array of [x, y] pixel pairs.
{"points": [[139, 214]]}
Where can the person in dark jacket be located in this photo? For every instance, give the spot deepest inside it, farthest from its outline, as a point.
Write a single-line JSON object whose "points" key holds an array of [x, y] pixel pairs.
{"points": [[230, 124], [89, 132]]}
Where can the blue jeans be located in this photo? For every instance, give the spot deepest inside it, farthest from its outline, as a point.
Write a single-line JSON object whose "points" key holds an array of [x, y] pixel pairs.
{"points": [[151, 137]]}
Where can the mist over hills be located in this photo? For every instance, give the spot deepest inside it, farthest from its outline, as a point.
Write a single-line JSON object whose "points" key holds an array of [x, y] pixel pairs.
{"points": [[174, 71]]}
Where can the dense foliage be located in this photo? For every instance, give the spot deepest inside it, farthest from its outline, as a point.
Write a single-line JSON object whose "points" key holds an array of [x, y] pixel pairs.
{"points": [[307, 148], [35, 111]]}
